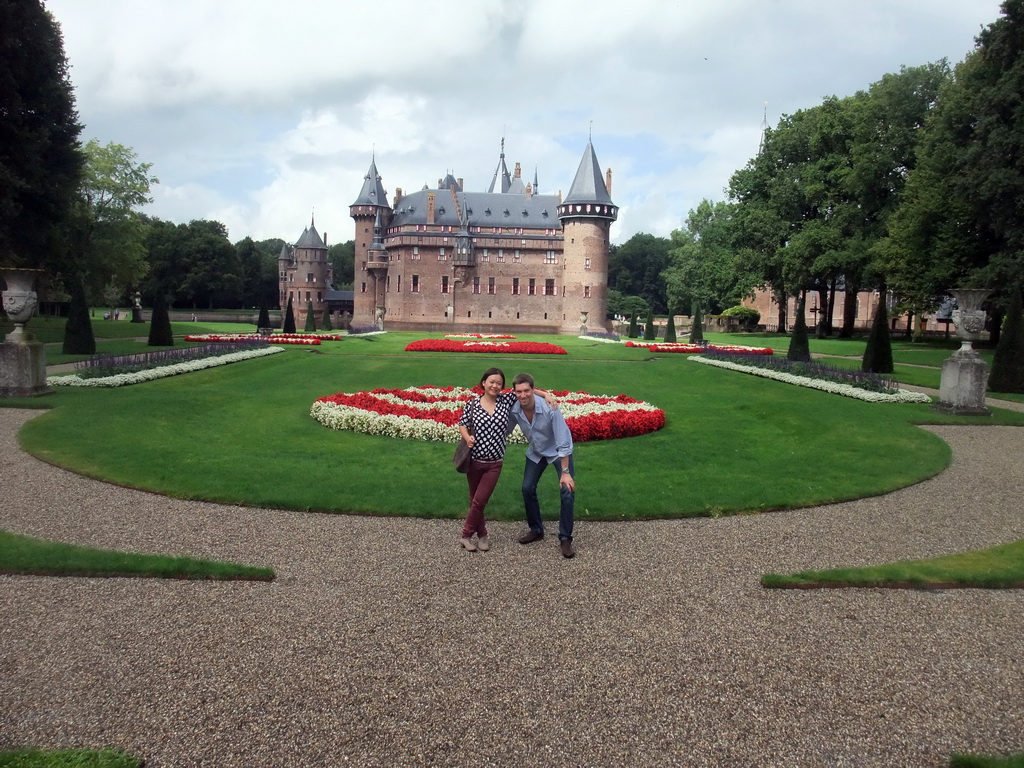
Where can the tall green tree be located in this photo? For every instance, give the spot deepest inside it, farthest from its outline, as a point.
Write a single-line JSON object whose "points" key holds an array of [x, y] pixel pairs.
{"points": [[635, 269], [701, 272], [213, 276], [342, 257], [1007, 373], [40, 158]]}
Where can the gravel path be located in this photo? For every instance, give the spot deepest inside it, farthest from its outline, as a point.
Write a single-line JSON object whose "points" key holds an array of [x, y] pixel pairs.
{"points": [[382, 644]]}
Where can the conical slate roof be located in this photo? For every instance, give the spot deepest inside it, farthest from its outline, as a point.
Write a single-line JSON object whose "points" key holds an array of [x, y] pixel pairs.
{"points": [[310, 239], [588, 186], [372, 192]]}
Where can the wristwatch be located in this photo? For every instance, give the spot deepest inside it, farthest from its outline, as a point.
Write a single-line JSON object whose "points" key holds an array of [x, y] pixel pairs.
{"points": [[565, 471]]}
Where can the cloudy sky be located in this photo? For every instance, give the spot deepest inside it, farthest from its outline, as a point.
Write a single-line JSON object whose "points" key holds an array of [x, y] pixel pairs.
{"points": [[258, 114]]}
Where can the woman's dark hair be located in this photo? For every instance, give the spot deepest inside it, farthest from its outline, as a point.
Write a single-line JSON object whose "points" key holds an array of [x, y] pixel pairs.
{"points": [[493, 372]]}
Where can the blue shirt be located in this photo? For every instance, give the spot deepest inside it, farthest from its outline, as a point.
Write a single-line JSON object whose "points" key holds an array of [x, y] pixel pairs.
{"points": [[548, 435]]}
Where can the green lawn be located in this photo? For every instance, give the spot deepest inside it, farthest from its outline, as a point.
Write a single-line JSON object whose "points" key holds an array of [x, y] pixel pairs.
{"points": [[243, 434], [67, 758], [26, 555], [996, 568]]}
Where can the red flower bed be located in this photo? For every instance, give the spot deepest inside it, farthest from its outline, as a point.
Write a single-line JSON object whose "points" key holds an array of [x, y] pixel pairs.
{"points": [[298, 339], [503, 347]]}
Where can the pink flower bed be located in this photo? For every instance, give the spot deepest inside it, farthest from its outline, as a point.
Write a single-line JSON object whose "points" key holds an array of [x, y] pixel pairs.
{"points": [[296, 339]]}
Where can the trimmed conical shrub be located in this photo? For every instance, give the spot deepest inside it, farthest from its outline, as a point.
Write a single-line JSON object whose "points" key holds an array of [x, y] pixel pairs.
{"points": [[310, 318], [78, 335], [878, 352], [670, 329], [650, 329], [264, 319], [160, 334], [1008, 364], [799, 344], [326, 325], [697, 327], [289, 318], [634, 331]]}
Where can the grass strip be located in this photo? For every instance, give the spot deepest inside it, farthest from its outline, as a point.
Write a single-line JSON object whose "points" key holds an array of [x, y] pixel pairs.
{"points": [[67, 758], [986, 761], [35, 557], [999, 567]]}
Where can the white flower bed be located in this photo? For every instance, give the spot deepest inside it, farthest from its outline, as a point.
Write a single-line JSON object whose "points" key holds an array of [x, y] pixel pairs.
{"points": [[124, 379], [368, 333], [599, 338], [899, 396]]}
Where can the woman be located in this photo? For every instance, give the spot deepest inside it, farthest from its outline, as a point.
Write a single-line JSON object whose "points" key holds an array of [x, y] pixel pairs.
{"points": [[489, 415]]}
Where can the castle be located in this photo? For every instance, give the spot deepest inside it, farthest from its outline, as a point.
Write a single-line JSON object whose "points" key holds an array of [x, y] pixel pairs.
{"points": [[446, 259]]}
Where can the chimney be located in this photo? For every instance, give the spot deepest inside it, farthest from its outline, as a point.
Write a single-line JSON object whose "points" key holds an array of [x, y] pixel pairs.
{"points": [[608, 180], [398, 195], [518, 172], [439, 183], [430, 208], [460, 184], [529, 189], [325, 237]]}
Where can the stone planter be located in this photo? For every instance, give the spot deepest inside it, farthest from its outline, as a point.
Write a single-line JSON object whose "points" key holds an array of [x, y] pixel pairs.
{"points": [[964, 373], [22, 359]]}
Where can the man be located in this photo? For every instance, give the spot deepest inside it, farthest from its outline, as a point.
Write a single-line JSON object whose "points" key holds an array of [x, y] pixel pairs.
{"points": [[550, 443]]}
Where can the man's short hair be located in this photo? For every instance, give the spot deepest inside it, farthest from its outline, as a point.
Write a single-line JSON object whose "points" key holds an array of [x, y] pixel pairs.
{"points": [[522, 378]]}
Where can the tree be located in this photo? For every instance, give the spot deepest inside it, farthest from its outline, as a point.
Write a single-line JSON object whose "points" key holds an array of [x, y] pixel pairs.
{"points": [[40, 158], [1007, 373], [650, 330], [634, 330], [878, 352], [325, 324], [310, 318], [696, 325], [799, 344], [160, 333], [342, 257], [263, 321], [670, 329], [701, 271], [289, 318], [257, 272], [78, 335], [635, 268], [213, 275]]}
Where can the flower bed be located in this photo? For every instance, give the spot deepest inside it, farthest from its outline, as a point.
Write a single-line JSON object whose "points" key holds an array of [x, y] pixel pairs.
{"points": [[684, 348], [607, 338], [124, 379], [895, 395], [505, 347], [296, 339], [431, 413], [478, 336]]}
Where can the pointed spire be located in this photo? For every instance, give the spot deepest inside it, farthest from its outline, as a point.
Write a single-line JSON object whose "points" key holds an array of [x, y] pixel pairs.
{"points": [[588, 186], [372, 192], [502, 171]]}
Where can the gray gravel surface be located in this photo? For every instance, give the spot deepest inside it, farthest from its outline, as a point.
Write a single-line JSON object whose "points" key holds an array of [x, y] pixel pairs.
{"points": [[383, 644]]}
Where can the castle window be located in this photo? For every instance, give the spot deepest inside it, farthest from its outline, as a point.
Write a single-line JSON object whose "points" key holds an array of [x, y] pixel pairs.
{"points": [[517, 257], [515, 286], [363, 288], [310, 278], [440, 254], [491, 288], [319, 297], [586, 263], [484, 256], [415, 283], [531, 289], [586, 291], [364, 266], [399, 283], [549, 287], [549, 258], [476, 285], [415, 253], [388, 288], [444, 283], [501, 256]]}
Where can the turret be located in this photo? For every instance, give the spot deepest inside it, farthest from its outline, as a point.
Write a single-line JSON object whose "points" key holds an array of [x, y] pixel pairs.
{"points": [[371, 213], [586, 213]]}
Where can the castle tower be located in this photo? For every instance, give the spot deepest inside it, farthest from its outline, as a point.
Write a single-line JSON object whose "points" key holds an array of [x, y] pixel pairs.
{"points": [[371, 213], [586, 213], [308, 275]]}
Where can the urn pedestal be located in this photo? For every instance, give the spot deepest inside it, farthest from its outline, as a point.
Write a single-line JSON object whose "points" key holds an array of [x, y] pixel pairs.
{"points": [[964, 373], [22, 358]]}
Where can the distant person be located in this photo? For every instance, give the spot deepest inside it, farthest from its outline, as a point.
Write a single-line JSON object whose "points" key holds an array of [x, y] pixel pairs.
{"points": [[490, 417], [550, 442]]}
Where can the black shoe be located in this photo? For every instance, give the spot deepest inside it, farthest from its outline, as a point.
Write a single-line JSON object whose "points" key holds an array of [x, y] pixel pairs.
{"points": [[568, 550], [530, 536]]}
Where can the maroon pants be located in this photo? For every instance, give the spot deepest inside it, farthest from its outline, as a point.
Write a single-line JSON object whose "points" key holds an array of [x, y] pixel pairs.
{"points": [[482, 476]]}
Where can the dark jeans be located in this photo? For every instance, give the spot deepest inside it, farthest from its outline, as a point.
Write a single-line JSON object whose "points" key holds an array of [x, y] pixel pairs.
{"points": [[531, 476]]}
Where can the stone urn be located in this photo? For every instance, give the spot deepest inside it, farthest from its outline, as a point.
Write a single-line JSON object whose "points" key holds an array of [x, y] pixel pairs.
{"points": [[583, 322], [969, 317], [964, 373], [20, 300]]}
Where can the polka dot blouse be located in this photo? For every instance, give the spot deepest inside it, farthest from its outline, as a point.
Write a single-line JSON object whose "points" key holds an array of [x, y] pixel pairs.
{"points": [[491, 431]]}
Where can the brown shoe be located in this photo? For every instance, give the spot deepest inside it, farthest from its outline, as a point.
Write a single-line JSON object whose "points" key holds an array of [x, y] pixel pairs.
{"points": [[530, 536], [467, 544], [568, 550]]}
